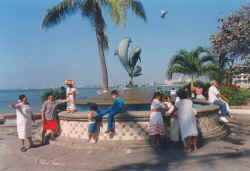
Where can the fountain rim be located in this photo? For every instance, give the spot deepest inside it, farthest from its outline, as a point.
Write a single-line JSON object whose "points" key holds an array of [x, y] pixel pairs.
{"points": [[139, 115]]}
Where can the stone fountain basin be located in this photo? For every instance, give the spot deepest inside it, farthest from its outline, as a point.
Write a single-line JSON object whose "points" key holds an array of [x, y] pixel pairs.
{"points": [[134, 125]]}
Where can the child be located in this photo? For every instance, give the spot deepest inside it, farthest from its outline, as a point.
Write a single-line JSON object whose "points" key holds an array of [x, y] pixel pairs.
{"points": [[117, 107], [174, 125], [92, 122], [156, 121]]}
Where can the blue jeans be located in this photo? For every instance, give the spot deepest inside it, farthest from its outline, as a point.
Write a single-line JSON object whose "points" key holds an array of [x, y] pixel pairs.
{"points": [[112, 112], [223, 107]]}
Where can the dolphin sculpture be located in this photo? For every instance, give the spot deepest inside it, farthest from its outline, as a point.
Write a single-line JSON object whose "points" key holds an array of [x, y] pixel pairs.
{"points": [[129, 60]]}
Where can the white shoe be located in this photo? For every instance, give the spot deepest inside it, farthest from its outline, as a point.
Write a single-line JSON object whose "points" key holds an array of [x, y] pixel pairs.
{"points": [[223, 119]]}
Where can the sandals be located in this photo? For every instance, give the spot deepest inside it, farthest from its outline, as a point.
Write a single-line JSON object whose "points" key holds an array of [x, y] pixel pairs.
{"points": [[23, 149]]}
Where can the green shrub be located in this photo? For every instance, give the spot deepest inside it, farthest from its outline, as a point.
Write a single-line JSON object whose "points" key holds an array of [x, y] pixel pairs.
{"points": [[44, 96], [236, 96]]}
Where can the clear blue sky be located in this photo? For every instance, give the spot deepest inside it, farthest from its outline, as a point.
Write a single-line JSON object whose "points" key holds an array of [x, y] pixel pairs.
{"points": [[34, 58]]}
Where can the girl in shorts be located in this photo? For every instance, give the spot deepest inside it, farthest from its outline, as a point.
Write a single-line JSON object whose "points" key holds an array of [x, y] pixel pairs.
{"points": [[92, 122]]}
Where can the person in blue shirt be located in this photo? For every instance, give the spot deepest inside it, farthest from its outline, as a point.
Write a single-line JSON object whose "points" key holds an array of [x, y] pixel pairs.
{"points": [[117, 107]]}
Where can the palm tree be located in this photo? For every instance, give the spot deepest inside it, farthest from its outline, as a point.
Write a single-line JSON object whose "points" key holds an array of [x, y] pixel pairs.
{"points": [[192, 63], [93, 9], [218, 69]]}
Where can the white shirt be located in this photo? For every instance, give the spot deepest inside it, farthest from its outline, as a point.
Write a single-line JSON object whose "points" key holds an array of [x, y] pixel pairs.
{"points": [[170, 107], [212, 94]]}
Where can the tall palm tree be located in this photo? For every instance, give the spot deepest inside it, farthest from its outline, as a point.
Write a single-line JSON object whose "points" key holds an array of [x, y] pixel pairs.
{"points": [[192, 63], [92, 10]]}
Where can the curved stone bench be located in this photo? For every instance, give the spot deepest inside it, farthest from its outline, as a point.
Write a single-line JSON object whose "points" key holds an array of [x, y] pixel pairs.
{"points": [[134, 125]]}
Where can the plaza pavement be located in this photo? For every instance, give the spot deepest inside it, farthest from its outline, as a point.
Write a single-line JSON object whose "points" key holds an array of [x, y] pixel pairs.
{"points": [[227, 154]]}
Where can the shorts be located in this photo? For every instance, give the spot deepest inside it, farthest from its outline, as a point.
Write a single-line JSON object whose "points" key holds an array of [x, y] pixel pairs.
{"points": [[50, 125], [92, 127]]}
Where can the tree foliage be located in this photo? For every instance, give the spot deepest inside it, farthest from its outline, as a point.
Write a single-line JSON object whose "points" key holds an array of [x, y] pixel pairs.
{"points": [[194, 63], [233, 37], [93, 10]]}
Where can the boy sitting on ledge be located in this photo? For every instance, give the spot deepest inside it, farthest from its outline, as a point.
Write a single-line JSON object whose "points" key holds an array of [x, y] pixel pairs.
{"points": [[116, 108]]}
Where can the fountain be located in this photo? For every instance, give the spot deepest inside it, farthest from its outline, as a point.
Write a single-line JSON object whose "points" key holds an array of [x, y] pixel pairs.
{"points": [[134, 123]]}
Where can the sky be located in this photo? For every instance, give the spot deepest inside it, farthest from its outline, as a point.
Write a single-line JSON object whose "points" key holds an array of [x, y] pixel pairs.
{"points": [[35, 58]]}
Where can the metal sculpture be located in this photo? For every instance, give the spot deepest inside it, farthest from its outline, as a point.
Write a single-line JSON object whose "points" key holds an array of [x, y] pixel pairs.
{"points": [[129, 60]]}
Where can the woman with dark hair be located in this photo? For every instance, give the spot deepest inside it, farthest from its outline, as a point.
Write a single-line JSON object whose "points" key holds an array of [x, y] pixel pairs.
{"points": [[49, 115], [156, 123], [24, 121], [187, 121]]}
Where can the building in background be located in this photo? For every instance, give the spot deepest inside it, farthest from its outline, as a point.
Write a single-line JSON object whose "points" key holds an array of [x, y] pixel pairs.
{"points": [[241, 75]]}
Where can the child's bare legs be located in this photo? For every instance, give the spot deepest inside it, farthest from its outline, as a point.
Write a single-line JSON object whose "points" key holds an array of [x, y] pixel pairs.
{"points": [[188, 145], [89, 137], [92, 136], [195, 143]]}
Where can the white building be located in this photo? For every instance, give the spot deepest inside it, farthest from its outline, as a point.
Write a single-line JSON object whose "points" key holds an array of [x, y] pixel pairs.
{"points": [[242, 79]]}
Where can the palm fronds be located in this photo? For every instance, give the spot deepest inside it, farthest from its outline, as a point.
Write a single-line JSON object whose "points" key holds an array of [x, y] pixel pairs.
{"points": [[58, 13]]}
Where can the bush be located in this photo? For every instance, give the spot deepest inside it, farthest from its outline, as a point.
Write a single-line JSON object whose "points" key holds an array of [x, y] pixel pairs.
{"points": [[44, 96], [235, 95]]}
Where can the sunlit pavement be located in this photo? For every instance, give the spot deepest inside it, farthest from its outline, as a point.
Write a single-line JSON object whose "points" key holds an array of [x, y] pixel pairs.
{"points": [[231, 153]]}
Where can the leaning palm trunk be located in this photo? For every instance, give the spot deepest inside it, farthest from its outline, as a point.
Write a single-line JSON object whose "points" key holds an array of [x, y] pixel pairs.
{"points": [[99, 27], [102, 61], [192, 82]]}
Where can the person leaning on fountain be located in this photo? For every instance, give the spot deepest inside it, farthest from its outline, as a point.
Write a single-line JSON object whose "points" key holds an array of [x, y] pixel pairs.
{"points": [[117, 107], [215, 97], [187, 121], [49, 115]]}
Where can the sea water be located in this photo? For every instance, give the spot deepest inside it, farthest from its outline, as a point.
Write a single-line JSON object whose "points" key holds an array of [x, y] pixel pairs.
{"points": [[34, 97]]}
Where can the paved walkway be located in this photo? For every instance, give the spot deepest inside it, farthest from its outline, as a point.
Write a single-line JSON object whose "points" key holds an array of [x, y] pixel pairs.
{"points": [[230, 154]]}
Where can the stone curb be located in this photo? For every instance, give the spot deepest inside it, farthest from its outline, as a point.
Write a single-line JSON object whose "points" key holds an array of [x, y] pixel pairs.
{"points": [[13, 116]]}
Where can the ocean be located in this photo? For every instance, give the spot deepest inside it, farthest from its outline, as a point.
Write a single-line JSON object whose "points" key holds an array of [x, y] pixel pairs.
{"points": [[34, 97]]}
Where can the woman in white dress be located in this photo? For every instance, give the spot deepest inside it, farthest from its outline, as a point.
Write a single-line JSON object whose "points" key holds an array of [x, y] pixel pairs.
{"points": [[156, 123], [24, 121], [187, 121], [71, 96]]}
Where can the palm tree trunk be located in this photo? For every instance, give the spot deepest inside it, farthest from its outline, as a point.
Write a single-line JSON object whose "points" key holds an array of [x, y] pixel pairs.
{"points": [[99, 27], [192, 82], [102, 60]]}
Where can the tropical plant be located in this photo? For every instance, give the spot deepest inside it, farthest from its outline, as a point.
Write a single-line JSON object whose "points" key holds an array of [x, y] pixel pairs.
{"points": [[234, 34], [93, 10], [45, 95], [219, 71], [192, 63]]}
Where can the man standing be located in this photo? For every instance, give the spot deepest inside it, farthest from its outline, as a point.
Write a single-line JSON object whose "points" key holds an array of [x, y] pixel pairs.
{"points": [[214, 97]]}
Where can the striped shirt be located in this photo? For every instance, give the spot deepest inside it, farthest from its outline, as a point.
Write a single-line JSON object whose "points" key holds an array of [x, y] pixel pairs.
{"points": [[50, 109]]}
